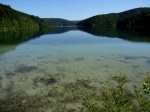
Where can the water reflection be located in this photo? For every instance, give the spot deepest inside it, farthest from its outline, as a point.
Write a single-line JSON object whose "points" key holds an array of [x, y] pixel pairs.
{"points": [[9, 40], [60, 30], [18, 37], [136, 35]]}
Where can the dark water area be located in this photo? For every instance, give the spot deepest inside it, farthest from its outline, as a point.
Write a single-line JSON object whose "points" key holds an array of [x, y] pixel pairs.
{"points": [[48, 70], [135, 35]]}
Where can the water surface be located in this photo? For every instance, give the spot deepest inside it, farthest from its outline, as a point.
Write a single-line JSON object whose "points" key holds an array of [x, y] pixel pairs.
{"points": [[55, 67]]}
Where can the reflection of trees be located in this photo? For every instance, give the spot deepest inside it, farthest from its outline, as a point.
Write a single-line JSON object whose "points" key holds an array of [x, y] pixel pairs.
{"points": [[137, 35], [6, 48], [17, 37], [9, 40]]}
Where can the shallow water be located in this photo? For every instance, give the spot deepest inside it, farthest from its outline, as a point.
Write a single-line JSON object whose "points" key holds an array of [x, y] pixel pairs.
{"points": [[57, 67]]}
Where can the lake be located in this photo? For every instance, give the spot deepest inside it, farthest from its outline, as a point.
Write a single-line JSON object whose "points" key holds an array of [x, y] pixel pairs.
{"points": [[49, 71]]}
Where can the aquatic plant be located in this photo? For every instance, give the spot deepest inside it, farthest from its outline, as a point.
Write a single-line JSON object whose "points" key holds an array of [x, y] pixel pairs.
{"points": [[146, 84], [119, 99]]}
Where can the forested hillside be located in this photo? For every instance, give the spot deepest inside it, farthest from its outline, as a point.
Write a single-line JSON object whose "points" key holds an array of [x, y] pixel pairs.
{"points": [[134, 18], [11, 19], [61, 22]]}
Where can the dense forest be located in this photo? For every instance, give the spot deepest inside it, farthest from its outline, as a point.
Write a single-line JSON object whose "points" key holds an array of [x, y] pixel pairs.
{"points": [[61, 22], [11, 19], [134, 18]]}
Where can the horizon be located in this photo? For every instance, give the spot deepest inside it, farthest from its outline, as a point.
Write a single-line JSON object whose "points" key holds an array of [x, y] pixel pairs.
{"points": [[73, 10]]}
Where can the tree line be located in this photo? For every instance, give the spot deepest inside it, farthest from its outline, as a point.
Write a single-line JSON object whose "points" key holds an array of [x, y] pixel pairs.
{"points": [[134, 18]]}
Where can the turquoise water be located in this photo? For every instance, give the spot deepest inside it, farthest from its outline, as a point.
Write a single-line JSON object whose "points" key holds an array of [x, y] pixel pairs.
{"points": [[57, 67]]}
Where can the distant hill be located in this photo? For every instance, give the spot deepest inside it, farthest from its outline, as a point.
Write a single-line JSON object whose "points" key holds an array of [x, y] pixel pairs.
{"points": [[134, 18], [61, 22], [11, 19]]}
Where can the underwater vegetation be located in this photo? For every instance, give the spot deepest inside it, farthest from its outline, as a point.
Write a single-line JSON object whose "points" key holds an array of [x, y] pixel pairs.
{"points": [[24, 69], [128, 57], [146, 84], [21, 69], [79, 59], [55, 99], [148, 62], [44, 81], [9, 74], [24, 103], [135, 66], [79, 95], [0, 81]]}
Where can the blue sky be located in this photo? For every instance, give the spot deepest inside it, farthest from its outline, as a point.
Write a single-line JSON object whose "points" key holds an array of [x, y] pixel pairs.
{"points": [[73, 9]]}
